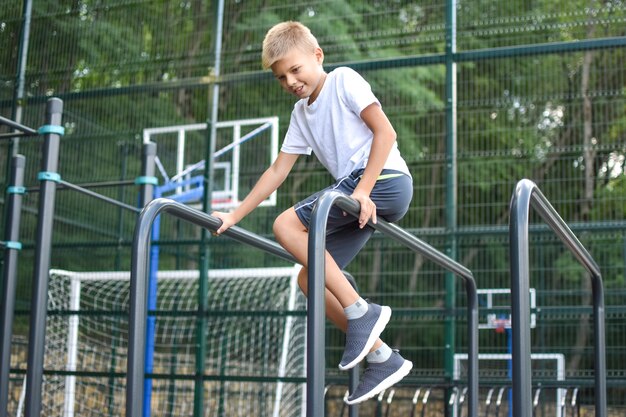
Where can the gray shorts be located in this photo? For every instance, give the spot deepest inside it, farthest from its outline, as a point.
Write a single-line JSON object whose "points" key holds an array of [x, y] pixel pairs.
{"points": [[344, 239]]}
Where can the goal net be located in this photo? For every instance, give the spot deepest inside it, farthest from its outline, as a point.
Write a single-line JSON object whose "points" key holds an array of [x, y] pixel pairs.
{"points": [[254, 337], [497, 367]]}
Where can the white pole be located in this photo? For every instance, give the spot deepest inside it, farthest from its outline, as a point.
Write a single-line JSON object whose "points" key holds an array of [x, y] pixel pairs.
{"points": [[20, 403], [234, 189], [282, 367], [72, 348], [274, 151], [180, 155]]}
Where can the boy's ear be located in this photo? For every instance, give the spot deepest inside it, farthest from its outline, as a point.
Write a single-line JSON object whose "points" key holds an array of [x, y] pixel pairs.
{"points": [[319, 54]]}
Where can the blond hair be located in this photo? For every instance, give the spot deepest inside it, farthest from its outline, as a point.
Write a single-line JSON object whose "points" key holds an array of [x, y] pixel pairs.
{"points": [[284, 37]]}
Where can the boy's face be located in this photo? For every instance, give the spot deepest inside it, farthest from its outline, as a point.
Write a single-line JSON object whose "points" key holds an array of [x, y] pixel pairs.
{"points": [[301, 73]]}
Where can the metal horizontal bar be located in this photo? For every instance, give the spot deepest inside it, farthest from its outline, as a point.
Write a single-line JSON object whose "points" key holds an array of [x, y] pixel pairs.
{"points": [[402, 236], [100, 184], [180, 313], [10, 135], [99, 196], [15, 125], [543, 207], [541, 49], [178, 377], [399, 62], [211, 223]]}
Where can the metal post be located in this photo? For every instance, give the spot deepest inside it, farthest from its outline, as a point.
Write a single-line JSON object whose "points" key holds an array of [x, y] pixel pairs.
{"points": [[139, 279], [451, 193], [525, 194], [599, 346], [316, 309], [146, 193], [12, 246], [39, 300], [353, 377], [316, 305], [520, 305], [18, 93], [147, 181], [207, 203]]}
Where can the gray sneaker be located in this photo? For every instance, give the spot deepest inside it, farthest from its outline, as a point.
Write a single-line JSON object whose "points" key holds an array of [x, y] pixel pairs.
{"points": [[380, 376], [362, 333]]}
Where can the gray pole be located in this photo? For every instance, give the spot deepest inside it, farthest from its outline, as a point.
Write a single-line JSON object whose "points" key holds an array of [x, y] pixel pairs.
{"points": [[316, 309], [39, 300], [526, 193], [316, 303], [520, 305], [18, 94], [599, 345], [207, 205], [147, 181], [451, 194], [9, 283]]}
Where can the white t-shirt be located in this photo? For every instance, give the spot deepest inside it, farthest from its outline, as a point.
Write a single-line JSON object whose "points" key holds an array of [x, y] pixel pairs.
{"points": [[332, 127]]}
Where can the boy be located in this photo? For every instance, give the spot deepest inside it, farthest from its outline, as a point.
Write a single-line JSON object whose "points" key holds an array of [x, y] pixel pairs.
{"points": [[339, 119]]}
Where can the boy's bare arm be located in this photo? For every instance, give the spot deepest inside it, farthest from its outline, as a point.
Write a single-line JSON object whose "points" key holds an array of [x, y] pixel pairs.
{"points": [[384, 138], [271, 179]]}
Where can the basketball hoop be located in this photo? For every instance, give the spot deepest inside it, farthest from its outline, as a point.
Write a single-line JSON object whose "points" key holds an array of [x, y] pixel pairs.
{"points": [[500, 325], [495, 305]]}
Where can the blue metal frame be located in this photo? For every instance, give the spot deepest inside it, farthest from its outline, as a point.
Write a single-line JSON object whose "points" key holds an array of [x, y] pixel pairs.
{"points": [[192, 195]]}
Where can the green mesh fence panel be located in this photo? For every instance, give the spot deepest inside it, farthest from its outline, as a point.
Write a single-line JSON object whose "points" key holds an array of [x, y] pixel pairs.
{"points": [[524, 110]]}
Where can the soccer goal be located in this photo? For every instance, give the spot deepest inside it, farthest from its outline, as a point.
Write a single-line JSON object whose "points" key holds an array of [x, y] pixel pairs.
{"points": [[496, 365], [255, 340]]}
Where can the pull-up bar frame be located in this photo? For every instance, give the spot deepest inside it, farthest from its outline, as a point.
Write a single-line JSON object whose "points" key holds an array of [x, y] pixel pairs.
{"points": [[22, 129], [316, 304], [525, 195], [139, 287], [315, 313]]}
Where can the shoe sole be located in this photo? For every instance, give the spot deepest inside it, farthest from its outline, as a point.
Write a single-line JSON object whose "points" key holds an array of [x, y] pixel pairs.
{"points": [[381, 323], [386, 383]]}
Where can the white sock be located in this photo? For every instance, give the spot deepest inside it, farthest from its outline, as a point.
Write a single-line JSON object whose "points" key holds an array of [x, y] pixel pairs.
{"points": [[356, 310], [379, 355]]}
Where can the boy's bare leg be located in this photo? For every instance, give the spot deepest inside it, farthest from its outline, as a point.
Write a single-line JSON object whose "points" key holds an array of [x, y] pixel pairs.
{"points": [[334, 310], [294, 237], [383, 371]]}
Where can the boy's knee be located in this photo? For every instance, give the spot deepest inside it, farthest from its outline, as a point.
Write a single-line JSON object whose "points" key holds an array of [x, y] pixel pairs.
{"points": [[286, 223], [303, 280], [279, 225]]}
